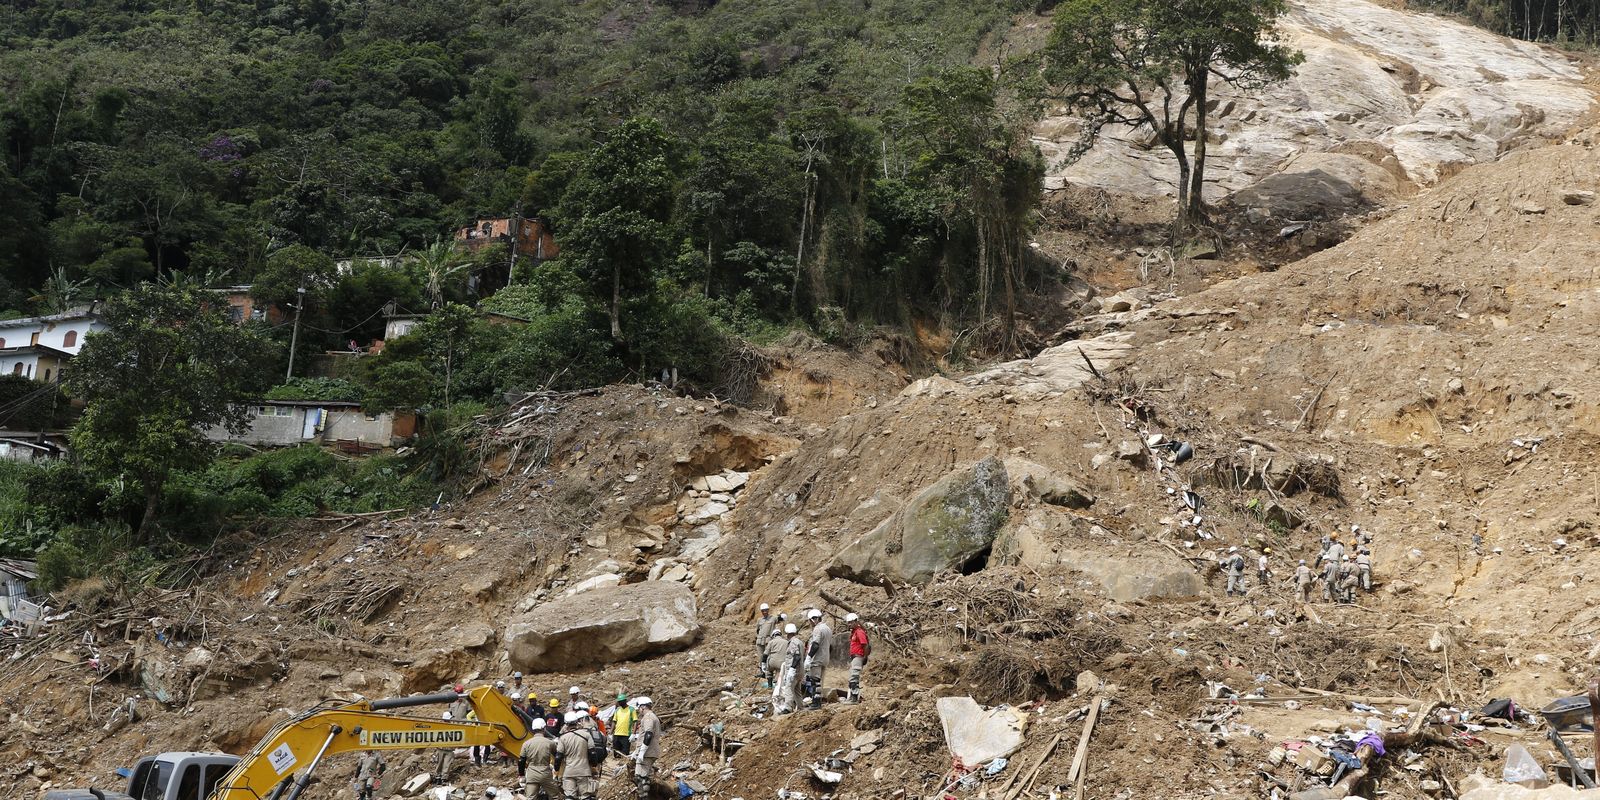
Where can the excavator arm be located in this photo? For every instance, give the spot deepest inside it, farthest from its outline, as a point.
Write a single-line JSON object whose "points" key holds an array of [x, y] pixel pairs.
{"points": [[300, 744]]}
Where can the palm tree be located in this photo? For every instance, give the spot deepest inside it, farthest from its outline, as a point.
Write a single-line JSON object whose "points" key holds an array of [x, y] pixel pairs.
{"points": [[59, 293], [437, 263]]}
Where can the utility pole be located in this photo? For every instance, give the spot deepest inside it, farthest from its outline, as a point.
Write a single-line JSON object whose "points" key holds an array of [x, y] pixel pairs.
{"points": [[294, 337]]}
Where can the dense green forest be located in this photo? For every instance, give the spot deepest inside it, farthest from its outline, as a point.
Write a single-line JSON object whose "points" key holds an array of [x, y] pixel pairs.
{"points": [[714, 172], [770, 161]]}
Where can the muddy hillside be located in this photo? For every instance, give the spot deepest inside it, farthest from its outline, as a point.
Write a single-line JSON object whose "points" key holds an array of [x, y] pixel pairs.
{"points": [[1039, 549]]}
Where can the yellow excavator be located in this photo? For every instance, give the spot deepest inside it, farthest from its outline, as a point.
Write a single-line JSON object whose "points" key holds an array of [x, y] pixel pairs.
{"points": [[298, 746]]}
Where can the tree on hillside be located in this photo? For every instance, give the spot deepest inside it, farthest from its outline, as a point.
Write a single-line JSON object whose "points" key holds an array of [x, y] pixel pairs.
{"points": [[983, 171], [436, 267], [167, 367], [616, 213], [291, 269], [1149, 64]]}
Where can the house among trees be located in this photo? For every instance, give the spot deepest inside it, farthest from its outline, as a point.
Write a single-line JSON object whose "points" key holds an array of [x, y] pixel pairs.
{"points": [[342, 424], [36, 347], [15, 575], [529, 236], [344, 265], [243, 307]]}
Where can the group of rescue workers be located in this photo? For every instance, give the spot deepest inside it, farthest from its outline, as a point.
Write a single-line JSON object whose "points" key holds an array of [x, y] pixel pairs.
{"points": [[570, 740], [794, 669], [567, 744], [1342, 571]]}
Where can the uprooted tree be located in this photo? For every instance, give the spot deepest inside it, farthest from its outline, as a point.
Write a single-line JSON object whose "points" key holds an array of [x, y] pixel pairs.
{"points": [[1149, 65]]}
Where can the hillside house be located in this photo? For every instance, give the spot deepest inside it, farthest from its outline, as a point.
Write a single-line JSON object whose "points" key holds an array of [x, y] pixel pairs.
{"points": [[36, 347], [241, 307], [15, 575], [29, 447], [286, 423], [529, 237], [398, 325], [347, 264]]}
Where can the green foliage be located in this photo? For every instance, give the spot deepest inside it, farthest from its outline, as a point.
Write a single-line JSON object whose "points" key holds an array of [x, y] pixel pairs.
{"points": [[28, 405], [338, 389], [618, 208], [392, 383], [166, 367], [563, 348], [291, 269]]}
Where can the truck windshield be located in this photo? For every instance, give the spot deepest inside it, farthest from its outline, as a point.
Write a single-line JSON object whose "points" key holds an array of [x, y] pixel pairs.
{"points": [[155, 783]]}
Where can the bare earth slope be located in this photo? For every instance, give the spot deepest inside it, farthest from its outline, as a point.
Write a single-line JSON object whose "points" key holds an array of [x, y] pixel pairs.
{"points": [[1431, 379]]}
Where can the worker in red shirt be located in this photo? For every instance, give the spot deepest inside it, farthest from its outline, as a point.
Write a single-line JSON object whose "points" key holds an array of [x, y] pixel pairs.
{"points": [[860, 649]]}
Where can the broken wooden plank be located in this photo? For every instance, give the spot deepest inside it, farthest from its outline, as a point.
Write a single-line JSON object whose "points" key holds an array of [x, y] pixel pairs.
{"points": [[1006, 790], [1082, 755]]}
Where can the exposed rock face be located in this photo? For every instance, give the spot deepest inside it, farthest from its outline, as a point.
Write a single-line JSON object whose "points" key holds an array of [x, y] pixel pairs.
{"points": [[1413, 95], [604, 625], [944, 527], [1040, 483]]}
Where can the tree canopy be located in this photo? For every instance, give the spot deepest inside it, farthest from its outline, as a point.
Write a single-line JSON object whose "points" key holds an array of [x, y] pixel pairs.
{"points": [[167, 367], [1149, 64]]}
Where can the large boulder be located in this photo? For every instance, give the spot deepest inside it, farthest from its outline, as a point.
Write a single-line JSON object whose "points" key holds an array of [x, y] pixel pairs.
{"points": [[604, 625], [945, 526], [1035, 481], [1151, 577]]}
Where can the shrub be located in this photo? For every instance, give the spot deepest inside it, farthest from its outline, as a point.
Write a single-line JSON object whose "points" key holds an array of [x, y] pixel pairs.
{"points": [[325, 389]]}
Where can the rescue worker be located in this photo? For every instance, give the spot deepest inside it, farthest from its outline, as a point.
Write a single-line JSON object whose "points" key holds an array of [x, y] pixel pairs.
{"points": [[623, 722], [577, 777], [764, 625], [1330, 577], [860, 650], [553, 718], [1364, 569], [1261, 567], [574, 697], [774, 657], [1335, 549], [644, 758], [1234, 564], [479, 752], [458, 710], [1302, 581], [818, 650], [516, 682], [783, 693], [369, 770], [594, 717], [1347, 580], [537, 761]]}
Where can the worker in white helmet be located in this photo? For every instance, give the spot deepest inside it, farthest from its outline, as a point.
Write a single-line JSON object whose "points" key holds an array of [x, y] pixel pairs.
{"points": [[818, 651], [764, 626], [574, 697], [649, 749], [785, 691], [537, 760]]}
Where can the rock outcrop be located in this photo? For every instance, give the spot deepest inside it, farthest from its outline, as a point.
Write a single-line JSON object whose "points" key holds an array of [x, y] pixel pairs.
{"points": [[604, 625], [1389, 100], [945, 526]]}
